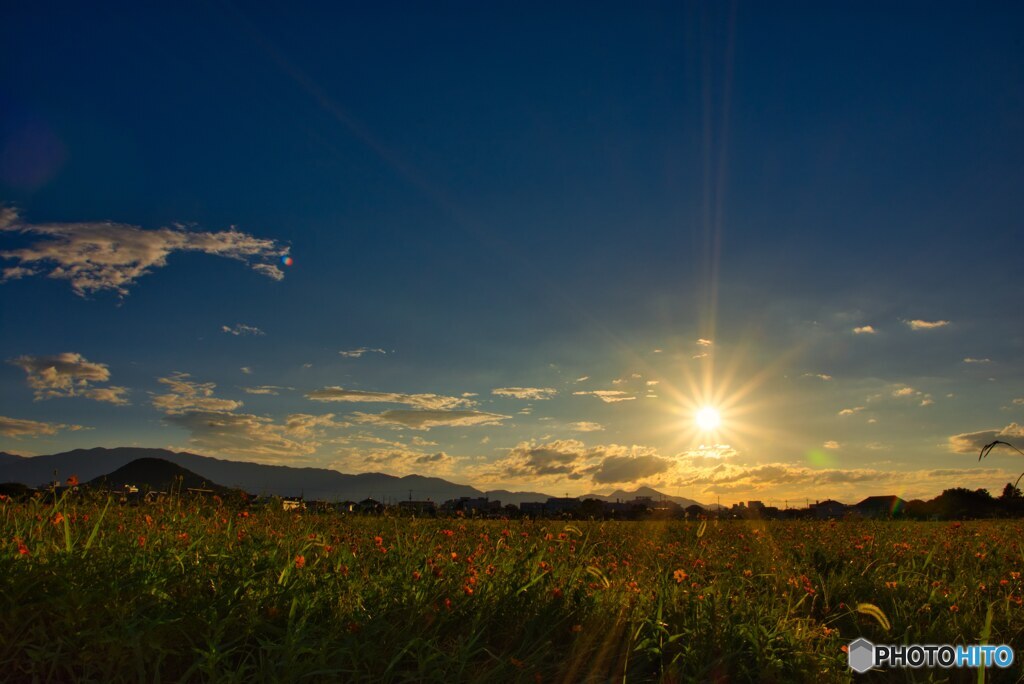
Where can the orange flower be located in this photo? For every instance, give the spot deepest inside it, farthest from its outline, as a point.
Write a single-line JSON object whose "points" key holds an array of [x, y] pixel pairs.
{"points": [[58, 519], [73, 481], [679, 576], [954, 608], [300, 562]]}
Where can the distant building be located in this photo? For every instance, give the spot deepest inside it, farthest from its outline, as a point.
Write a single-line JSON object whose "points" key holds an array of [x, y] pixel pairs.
{"points": [[417, 507], [561, 504], [532, 508], [828, 509], [881, 506], [469, 505]]}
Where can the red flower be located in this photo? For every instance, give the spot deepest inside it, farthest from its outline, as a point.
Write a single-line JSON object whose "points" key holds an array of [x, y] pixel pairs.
{"points": [[300, 562], [73, 481]]}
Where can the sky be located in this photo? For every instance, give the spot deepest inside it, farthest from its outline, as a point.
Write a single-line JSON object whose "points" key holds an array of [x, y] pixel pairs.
{"points": [[521, 245]]}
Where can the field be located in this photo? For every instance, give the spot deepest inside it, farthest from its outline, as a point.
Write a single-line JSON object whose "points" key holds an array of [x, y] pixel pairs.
{"points": [[208, 592]]}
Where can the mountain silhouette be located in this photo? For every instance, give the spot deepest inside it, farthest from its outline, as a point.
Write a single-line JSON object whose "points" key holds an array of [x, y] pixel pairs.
{"points": [[258, 478], [9, 459], [154, 474]]}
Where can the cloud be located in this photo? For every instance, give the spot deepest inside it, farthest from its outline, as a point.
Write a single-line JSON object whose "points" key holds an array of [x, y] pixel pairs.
{"points": [[69, 375], [971, 442], [356, 353], [529, 393], [608, 396], [186, 395], [615, 469], [704, 343], [820, 376], [102, 255], [398, 461], [19, 427], [571, 459], [582, 378], [1019, 401], [254, 437], [585, 426], [246, 370], [971, 360], [426, 419], [918, 324], [904, 392], [831, 444], [864, 330], [420, 401], [851, 411], [241, 329], [265, 389]]}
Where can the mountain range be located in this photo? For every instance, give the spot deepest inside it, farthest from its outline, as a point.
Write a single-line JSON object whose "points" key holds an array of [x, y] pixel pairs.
{"points": [[258, 478]]}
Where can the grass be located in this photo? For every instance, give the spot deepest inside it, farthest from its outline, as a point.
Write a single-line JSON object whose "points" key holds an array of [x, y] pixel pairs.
{"points": [[200, 592]]}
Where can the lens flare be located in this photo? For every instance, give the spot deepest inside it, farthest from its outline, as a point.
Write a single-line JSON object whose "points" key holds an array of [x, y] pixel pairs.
{"points": [[287, 260]]}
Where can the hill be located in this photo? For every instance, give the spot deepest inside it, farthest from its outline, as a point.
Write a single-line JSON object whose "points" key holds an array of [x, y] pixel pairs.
{"points": [[154, 474]]}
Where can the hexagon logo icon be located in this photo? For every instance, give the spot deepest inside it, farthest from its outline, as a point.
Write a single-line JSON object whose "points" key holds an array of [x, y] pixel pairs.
{"points": [[861, 655]]}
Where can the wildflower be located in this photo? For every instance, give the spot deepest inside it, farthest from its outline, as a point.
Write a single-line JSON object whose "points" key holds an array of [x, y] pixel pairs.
{"points": [[557, 593], [416, 575], [58, 519], [748, 573], [517, 662], [300, 562], [890, 585], [22, 549], [447, 604], [468, 590], [954, 608], [73, 481], [576, 629], [679, 576], [142, 541]]}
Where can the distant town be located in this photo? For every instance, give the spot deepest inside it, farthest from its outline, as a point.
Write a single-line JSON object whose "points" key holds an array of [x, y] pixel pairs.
{"points": [[153, 481]]}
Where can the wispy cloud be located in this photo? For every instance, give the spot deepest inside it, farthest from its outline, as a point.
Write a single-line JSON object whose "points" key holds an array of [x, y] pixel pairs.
{"points": [[420, 401], [851, 411], [819, 376], [19, 427], [607, 396], [102, 255], [973, 360], [357, 353], [918, 324], [585, 426], [69, 375], [186, 395], [864, 330], [265, 389], [529, 393], [239, 329], [427, 419], [831, 444], [702, 342]]}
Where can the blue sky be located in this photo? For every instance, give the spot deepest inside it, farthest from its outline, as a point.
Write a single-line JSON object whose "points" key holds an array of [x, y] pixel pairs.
{"points": [[806, 217]]}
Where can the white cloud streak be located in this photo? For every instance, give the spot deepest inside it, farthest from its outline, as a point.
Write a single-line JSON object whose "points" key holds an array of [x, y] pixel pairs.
{"points": [[102, 255]]}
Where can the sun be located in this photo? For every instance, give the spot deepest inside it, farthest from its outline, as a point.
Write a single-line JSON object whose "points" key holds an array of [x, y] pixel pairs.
{"points": [[708, 418]]}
